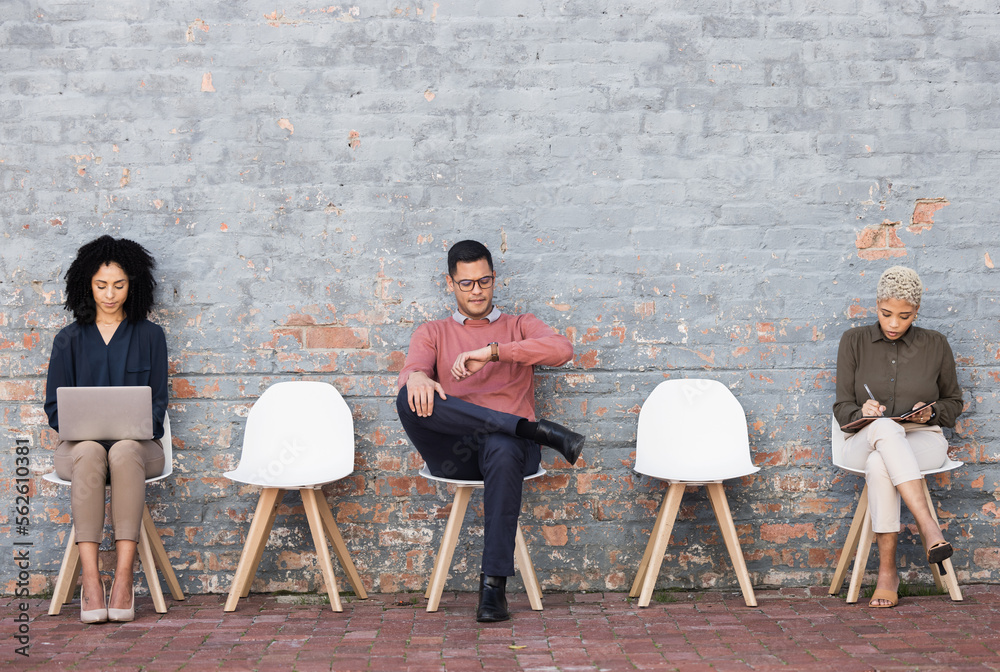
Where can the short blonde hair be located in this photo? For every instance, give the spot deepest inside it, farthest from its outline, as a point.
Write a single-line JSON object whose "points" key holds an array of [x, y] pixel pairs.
{"points": [[900, 282]]}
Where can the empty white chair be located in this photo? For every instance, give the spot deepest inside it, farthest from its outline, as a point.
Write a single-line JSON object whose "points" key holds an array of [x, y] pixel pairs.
{"points": [[152, 555], [299, 436], [691, 432], [860, 535], [463, 491]]}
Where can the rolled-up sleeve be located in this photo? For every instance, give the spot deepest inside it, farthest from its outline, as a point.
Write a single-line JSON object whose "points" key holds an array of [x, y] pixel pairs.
{"points": [[540, 344]]}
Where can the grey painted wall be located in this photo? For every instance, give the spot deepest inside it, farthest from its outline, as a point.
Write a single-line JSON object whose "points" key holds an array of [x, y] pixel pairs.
{"points": [[700, 188]]}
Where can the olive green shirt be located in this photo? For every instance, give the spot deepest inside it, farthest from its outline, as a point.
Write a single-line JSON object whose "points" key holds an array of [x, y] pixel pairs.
{"points": [[917, 367]]}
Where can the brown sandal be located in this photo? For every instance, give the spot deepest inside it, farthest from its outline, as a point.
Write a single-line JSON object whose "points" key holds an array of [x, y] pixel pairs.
{"points": [[890, 596]]}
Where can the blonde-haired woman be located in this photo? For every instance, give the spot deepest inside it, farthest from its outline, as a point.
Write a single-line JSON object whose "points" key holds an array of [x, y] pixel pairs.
{"points": [[886, 369]]}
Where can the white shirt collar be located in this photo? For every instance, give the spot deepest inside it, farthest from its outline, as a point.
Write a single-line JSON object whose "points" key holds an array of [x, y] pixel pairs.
{"points": [[492, 317]]}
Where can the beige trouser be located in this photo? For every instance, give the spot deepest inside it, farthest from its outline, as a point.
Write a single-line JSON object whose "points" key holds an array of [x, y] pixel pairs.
{"points": [[892, 453], [87, 465]]}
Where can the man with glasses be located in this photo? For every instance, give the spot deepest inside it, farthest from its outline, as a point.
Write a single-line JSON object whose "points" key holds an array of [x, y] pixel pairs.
{"points": [[467, 403]]}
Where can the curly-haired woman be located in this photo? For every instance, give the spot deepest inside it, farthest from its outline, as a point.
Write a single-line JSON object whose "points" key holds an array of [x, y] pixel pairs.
{"points": [[109, 289], [887, 369]]}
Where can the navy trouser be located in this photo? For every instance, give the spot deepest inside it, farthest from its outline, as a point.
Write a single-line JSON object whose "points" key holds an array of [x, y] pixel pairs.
{"points": [[468, 442]]}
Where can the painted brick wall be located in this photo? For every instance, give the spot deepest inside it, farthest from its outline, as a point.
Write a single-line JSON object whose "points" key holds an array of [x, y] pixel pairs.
{"points": [[699, 188]]}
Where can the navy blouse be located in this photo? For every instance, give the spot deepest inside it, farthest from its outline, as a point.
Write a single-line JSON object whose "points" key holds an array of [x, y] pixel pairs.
{"points": [[136, 355]]}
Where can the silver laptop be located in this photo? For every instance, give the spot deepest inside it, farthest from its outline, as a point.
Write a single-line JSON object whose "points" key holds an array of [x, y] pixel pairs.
{"points": [[105, 413]]}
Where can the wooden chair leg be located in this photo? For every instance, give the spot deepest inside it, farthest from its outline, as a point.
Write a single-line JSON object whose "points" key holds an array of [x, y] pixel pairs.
{"points": [[528, 575], [641, 574], [310, 501], [339, 547], [68, 572], [160, 555], [659, 537], [447, 550], [865, 540], [717, 495], [258, 549], [851, 543], [949, 581], [75, 574], [260, 528], [149, 569]]}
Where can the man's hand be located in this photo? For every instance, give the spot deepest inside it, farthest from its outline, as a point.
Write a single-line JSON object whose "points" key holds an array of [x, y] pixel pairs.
{"points": [[923, 416], [470, 362], [420, 391]]}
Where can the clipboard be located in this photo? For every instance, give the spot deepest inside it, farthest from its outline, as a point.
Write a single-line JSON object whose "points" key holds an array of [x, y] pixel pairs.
{"points": [[865, 421]]}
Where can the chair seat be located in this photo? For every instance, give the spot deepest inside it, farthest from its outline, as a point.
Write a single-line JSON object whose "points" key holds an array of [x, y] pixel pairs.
{"points": [[949, 464], [694, 477], [426, 473], [456, 517]]}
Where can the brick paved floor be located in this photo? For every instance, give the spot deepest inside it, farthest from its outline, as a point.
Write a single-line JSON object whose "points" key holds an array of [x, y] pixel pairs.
{"points": [[789, 630]]}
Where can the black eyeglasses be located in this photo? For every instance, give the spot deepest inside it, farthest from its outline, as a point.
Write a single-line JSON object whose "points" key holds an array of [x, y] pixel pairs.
{"points": [[485, 282]]}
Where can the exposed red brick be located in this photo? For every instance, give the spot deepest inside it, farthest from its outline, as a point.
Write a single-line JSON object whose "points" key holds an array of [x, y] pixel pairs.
{"points": [[872, 236], [592, 483], [886, 253], [782, 533], [551, 482], [765, 332], [396, 360], [856, 310], [892, 238], [330, 337], [923, 214], [986, 558], [555, 535], [16, 391], [278, 333], [588, 360], [182, 389]]}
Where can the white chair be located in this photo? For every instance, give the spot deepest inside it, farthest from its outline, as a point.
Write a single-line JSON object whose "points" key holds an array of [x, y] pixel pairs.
{"points": [[691, 432], [860, 535], [463, 491], [299, 436], [152, 555]]}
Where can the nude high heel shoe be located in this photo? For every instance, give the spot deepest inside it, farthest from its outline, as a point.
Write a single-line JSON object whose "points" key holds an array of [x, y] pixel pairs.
{"points": [[122, 615], [94, 615]]}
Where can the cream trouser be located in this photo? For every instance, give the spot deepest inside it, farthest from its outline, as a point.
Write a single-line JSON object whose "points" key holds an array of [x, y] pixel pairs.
{"points": [[892, 453], [87, 465]]}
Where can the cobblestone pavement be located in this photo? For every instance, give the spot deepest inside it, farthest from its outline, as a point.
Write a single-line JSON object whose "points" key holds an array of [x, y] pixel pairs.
{"points": [[789, 630]]}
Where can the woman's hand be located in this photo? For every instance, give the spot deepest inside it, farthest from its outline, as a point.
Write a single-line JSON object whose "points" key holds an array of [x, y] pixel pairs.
{"points": [[923, 416], [872, 409]]}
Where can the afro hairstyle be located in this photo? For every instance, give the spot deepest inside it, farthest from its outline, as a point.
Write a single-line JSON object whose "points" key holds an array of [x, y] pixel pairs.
{"points": [[133, 258]]}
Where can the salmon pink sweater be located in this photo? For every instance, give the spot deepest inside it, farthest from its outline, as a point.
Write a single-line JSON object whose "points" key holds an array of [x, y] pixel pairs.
{"points": [[507, 385]]}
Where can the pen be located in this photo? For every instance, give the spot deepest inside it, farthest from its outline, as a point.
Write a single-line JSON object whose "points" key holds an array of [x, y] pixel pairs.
{"points": [[868, 390]]}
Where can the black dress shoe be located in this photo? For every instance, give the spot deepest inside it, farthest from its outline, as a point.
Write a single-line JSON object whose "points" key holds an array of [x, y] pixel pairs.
{"points": [[492, 600], [568, 443]]}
